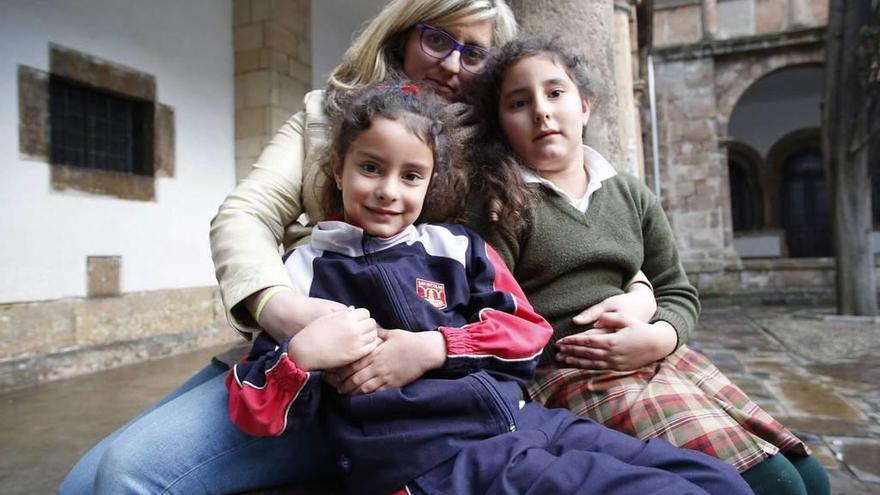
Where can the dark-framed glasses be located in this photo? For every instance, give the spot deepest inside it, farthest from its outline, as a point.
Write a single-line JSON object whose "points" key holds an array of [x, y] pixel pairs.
{"points": [[439, 44]]}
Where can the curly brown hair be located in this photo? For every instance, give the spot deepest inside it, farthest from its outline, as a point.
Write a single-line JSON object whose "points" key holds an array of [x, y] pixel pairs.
{"points": [[421, 115], [496, 170]]}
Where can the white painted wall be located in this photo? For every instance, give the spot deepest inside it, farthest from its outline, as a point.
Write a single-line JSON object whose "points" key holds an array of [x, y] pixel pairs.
{"points": [[46, 235], [334, 25]]}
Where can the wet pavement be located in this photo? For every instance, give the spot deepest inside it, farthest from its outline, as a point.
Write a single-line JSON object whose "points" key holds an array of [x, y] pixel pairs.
{"points": [[819, 375], [816, 373]]}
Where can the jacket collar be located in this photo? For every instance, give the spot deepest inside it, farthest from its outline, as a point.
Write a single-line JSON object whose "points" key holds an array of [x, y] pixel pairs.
{"points": [[344, 238]]}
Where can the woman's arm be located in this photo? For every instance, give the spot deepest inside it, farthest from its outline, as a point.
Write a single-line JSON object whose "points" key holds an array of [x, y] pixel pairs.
{"points": [[284, 313], [250, 225]]}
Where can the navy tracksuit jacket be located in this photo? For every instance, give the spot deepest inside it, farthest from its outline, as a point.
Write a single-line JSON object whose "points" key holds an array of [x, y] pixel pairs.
{"points": [[462, 428]]}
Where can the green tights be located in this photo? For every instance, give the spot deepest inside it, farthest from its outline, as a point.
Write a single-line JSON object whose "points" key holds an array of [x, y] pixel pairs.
{"points": [[788, 475]]}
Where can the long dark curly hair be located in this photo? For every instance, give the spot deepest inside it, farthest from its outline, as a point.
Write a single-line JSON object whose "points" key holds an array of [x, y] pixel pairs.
{"points": [[496, 168], [420, 114]]}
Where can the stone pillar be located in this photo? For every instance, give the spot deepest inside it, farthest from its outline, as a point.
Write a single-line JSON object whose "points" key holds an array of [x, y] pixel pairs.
{"points": [[625, 66], [588, 27], [709, 16], [273, 71], [696, 195]]}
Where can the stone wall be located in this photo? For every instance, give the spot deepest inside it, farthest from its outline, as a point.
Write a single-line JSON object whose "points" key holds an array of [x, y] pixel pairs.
{"points": [[273, 71], [697, 88], [48, 340], [782, 280], [682, 22], [677, 24]]}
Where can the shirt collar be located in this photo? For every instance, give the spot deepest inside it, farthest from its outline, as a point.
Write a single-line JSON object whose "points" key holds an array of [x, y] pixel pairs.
{"points": [[598, 170]]}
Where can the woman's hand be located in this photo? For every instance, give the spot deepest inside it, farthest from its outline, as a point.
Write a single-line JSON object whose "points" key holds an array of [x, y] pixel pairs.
{"points": [[638, 302], [334, 340], [401, 358], [618, 342], [287, 313]]}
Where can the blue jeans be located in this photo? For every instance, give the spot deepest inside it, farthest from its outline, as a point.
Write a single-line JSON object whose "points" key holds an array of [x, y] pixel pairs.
{"points": [[186, 444]]}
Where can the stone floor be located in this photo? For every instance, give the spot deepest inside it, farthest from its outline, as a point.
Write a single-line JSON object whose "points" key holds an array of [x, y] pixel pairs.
{"points": [[819, 375]]}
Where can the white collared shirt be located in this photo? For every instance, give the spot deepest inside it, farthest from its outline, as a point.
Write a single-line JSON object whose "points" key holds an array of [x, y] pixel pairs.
{"points": [[598, 169]]}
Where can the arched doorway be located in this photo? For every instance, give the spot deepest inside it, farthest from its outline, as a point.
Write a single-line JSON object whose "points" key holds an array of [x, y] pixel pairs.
{"points": [[804, 205]]}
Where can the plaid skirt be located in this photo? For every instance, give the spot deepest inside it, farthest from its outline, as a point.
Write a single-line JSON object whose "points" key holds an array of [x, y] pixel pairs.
{"points": [[683, 399]]}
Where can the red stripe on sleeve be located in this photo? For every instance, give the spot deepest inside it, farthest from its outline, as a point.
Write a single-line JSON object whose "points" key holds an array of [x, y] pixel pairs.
{"points": [[263, 411], [520, 335]]}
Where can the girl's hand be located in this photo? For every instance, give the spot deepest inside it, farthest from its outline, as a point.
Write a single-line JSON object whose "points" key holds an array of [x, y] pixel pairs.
{"points": [[638, 302], [401, 358], [618, 342], [287, 313], [334, 340]]}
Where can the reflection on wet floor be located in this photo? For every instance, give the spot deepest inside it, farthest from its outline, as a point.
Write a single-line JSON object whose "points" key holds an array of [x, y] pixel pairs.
{"points": [[46, 428], [820, 377], [828, 393]]}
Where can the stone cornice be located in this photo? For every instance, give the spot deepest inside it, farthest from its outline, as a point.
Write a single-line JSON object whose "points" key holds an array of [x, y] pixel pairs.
{"points": [[765, 42]]}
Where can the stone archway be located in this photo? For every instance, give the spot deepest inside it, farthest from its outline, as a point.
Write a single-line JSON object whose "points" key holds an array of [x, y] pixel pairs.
{"points": [[734, 75], [770, 111]]}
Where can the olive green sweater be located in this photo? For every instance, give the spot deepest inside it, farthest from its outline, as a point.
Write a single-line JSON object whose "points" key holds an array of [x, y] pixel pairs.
{"points": [[566, 260]]}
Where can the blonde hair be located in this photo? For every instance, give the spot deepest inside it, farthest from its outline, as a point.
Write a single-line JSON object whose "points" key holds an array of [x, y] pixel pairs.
{"points": [[377, 50]]}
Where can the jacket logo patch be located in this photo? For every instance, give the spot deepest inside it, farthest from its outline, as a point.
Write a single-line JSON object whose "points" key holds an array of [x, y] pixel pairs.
{"points": [[432, 292]]}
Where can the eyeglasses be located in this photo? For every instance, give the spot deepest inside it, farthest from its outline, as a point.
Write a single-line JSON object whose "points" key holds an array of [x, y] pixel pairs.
{"points": [[439, 44]]}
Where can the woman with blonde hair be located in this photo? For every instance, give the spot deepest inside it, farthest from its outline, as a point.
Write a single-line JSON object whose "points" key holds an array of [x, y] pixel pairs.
{"points": [[186, 443]]}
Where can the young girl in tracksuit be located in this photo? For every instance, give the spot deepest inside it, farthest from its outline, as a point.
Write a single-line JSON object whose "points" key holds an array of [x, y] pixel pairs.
{"points": [[463, 427]]}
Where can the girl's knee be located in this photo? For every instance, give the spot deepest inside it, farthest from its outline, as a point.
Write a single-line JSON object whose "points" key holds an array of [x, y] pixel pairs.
{"points": [[775, 476], [812, 473]]}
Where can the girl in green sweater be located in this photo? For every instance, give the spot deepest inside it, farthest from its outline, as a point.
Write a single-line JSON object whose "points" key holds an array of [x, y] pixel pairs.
{"points": [[574, 231]]}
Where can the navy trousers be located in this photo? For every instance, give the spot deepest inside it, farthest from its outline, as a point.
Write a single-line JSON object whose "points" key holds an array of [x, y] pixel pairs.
{"points": [[553, 451]]}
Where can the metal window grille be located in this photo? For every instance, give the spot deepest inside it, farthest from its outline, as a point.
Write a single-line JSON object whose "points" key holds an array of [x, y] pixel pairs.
{"points": [[96, 129]]}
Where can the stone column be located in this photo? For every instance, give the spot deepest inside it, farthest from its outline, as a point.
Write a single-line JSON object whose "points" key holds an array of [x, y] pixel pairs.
{"points": [[625, 41], [273, 71], [588, 27], [709, 16]]}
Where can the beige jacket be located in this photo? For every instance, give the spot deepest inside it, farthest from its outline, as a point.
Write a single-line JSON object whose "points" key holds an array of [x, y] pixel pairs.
{"points": [[275, 206]]}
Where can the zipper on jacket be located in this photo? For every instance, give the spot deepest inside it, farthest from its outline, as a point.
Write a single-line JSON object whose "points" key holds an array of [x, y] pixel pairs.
{"points": [[395, 303], [505, 411], [399, 314]]}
